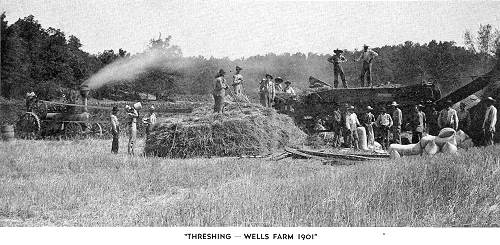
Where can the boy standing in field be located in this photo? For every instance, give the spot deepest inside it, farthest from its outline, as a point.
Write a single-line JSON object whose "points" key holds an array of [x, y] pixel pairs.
{"points": [[150, 120], [115, 130], [132, 116]]}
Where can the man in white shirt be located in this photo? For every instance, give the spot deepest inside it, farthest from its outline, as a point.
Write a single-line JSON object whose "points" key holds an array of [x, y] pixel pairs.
{"points": [[238, 82], [115, 130], [490, 121], [448, 117], [352, 124], [150, 120], [367, 57]]}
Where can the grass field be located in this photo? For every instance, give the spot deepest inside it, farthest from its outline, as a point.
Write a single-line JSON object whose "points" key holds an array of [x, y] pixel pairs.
{"points": [[64, 183]]}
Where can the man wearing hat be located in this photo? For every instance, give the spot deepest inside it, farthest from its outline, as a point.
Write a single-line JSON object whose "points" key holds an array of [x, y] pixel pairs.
{"points": [[267, 91], [417, 123], [336, 59], [352, 124], [30, 101], [432, 118], [289, 91], [337, 127], [490, 121], [464, 120], [219, 92], [115, 130], [367, 120], [384, 123], [132, 130], [238, 82], [448, 117], [397, 119], [367, 56], [150, 120]]}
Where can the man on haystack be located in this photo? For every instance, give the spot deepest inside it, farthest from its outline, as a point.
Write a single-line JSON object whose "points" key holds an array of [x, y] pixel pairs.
{"points": [[337, 68], [238, 86], [219, 92], [267, 91]]}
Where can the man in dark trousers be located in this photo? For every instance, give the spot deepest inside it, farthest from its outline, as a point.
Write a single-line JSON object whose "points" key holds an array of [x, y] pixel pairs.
{"points": [[397, 121], [337, 127], [417, 123], [367, 57], [115, 129], [219, 92], [490, 121], [367, 121], [336, 59]]}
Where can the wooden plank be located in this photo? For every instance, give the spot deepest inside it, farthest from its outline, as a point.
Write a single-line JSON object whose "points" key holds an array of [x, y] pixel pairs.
{"points": [[338, 156]]}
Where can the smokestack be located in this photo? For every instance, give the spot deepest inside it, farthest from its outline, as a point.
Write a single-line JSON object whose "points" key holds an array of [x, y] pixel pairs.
{"points": [[84, 92]]}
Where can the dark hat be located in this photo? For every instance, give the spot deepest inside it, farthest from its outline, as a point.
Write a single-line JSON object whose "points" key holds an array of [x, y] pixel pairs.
{"points": [[238, 68], [222, 72], [278, 80], [288, 82], [269, 75], [115, 108], [338, 51], [365, 45]]}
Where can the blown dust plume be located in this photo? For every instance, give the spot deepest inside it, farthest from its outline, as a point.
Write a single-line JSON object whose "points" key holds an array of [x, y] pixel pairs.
{"points": [[129, 68]]}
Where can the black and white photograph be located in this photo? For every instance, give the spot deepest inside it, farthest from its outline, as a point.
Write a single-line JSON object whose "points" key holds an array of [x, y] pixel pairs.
{"points": [[232, 121]]}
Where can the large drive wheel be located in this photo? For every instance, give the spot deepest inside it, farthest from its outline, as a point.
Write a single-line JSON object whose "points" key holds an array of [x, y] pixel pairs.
{"points": [[28, 126], [72, 130], [96, 130]]}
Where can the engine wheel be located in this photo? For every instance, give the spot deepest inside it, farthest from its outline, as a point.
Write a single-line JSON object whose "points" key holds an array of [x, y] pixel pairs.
{"points": [[28, 126], [96, 129], [72, 130]]}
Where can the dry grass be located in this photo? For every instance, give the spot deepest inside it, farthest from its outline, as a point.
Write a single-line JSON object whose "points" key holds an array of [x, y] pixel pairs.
{"points": [[81, 184]]}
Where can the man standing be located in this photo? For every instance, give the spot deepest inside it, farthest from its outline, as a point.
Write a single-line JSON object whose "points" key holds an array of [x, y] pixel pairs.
{"points": [[448, 117], [132, 130], [277, 85], [367, 57], [150, 120], [289, 91], [464, 120], [490, 121], [384, 123], [337, 127], [267, 91], [432, 122], [336, 59], [352, 124], [115, 130], [238, 82], [219, 92], [367, 121], [417, 124], [397, 118]]}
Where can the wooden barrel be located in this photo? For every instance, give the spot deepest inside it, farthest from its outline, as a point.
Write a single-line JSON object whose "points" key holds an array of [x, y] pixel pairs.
{"points": [[8, 132]]}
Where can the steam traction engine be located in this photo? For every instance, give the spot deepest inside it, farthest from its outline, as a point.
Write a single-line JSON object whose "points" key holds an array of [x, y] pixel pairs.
{"points": [[53, 119]]}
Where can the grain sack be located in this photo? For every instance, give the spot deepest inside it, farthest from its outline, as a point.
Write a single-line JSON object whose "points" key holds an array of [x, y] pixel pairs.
{"points": [[449, 148], [445, 135], [431, 148], [394, 154], [406, 150], [425, 140], [362, 138]]}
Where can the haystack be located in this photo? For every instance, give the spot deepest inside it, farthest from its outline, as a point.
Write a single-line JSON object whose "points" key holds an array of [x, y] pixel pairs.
{"points": [[244, 129]]}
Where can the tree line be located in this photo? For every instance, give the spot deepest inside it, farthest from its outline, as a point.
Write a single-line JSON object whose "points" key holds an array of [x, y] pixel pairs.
{"points": [[46, 61]]}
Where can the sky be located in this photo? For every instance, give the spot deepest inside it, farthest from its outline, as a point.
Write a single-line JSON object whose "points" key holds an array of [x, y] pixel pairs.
{"points": [[237, 29]]}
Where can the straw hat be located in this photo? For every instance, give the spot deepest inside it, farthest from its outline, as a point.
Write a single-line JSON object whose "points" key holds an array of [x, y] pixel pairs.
{"points": [[369, 108], [394, 103], [490, 99]]}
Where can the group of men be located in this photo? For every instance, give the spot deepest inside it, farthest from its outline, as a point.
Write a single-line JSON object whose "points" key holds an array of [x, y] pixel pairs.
{"points": [[367, 56], [268, 88], [345, 123], [132, 115]]}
